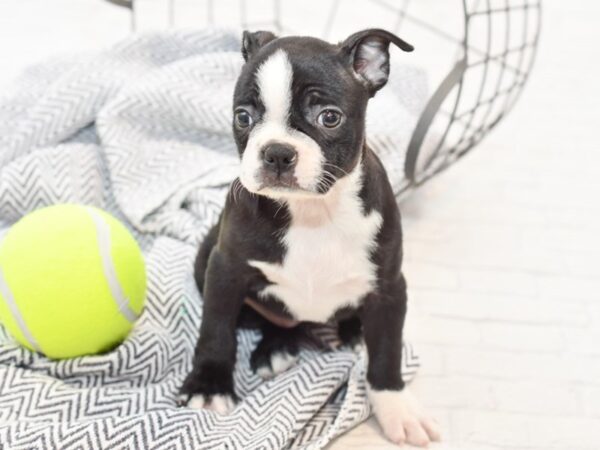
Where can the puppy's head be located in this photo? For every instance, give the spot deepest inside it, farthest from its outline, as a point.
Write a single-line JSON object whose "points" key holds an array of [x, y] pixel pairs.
{"points": [[299, 108]]}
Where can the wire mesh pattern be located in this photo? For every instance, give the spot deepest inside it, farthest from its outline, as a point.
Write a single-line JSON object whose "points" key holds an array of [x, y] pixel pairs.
{"points": [[492, 44], [479, 91]]}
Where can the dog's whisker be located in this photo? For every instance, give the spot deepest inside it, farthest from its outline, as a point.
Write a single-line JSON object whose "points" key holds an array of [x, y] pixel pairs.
{"points": [[281, 205], [240, 189], [232, 190], [328, 179], [236, 188], [336, 167]]}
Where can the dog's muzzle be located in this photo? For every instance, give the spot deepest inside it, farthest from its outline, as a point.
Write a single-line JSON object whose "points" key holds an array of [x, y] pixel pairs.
{"points": [[278, 163]]}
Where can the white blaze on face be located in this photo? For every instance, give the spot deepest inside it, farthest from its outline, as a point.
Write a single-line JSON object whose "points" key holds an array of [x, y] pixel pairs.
{"points": [[274, 81]]}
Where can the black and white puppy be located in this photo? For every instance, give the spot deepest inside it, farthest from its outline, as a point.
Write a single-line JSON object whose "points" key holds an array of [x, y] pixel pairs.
{"points": [[310, 231]]}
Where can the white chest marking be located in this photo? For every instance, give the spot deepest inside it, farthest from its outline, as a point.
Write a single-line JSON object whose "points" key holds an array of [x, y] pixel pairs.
{"points": [[327, 264]]}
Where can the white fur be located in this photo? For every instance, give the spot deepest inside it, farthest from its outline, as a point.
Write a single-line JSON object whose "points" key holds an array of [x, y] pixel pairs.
{"points": [[221, 404], [265, 372], [327, 264], [280, 362], [274, 80], [402, 418]]}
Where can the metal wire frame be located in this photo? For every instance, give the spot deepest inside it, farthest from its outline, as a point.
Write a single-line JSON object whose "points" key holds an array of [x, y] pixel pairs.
{"points": [[434, 147], [448, 100]]}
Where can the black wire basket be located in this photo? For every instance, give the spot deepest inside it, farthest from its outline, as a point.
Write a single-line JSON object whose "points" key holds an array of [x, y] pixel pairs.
{"points": [[479, 54], [495, 59]]}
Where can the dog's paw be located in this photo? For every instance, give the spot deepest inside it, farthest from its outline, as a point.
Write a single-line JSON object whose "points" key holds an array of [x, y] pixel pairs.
{"points": [[357, 346], [402, 419], [220, 403], [278, 362], [275, 353]]}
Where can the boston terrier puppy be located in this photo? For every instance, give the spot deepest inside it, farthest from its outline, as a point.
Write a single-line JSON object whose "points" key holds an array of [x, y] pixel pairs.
{"points": [[310, 231]]}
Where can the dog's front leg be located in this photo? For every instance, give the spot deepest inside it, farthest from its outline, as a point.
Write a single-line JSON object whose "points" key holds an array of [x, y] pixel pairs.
{"points": [[210, 383], [398, 412]]}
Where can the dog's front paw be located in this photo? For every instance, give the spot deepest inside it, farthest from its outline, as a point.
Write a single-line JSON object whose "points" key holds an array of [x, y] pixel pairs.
{"points": [[402, 419], [219, 403], [209, 386]]}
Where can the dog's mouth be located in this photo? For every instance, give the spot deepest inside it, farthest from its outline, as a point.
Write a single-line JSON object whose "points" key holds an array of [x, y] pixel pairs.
{"points": [[282, 185], [279, 181], [281, 191]]}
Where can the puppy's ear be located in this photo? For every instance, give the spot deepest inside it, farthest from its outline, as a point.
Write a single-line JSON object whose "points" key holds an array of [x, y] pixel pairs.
{"points": [[368, 54], [252, 42]]}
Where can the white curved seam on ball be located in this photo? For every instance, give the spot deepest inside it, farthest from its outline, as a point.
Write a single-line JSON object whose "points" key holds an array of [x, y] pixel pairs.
{"points": [[108, 267], [16, 313]]}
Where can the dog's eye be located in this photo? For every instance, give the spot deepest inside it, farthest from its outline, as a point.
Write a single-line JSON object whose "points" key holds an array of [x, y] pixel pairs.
{"points": [[329, 118], [243, 119]]}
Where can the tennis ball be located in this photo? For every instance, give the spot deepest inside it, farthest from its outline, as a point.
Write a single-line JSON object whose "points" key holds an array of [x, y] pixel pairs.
{"points": [[72, 281]]}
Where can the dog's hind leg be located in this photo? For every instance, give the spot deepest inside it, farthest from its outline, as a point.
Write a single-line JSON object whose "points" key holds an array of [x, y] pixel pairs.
{"points": [[277, 351], [350, 332]]}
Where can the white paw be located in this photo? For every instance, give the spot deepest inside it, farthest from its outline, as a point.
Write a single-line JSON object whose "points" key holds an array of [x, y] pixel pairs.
{"points": [[359, 346], [402, 418], [221, 404], [280, 362]]}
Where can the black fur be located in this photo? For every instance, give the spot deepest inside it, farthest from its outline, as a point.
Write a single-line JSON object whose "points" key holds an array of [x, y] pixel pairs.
{"points": [[350, 331]]}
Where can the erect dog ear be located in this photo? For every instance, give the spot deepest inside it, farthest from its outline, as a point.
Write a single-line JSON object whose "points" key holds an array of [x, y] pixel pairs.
{"points": [[368, 54], [252, 42]]}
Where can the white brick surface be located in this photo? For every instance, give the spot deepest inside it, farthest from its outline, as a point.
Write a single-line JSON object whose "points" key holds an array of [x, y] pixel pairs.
{"points": [[455, 392], [435, 330], [590, 398], [527, 431], [522, 337], [501, 307], [492, 428], [539, 399]]}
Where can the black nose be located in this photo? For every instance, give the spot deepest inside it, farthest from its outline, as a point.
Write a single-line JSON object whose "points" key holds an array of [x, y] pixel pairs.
{"points": [[279, 157]]}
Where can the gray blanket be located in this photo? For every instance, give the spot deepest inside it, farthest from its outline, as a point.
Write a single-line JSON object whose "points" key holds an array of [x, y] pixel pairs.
{"points": [[143, 131]]}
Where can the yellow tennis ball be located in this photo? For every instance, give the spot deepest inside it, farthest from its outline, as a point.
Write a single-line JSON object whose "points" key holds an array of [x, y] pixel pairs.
{"points": [[72, 281]]}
